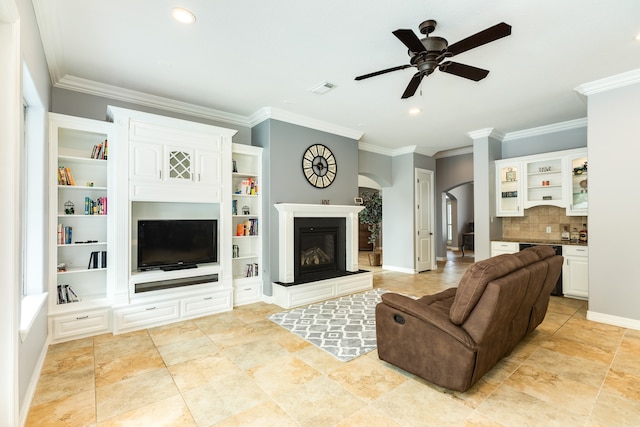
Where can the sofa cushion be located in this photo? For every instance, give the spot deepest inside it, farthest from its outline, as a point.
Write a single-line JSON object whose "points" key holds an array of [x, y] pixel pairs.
{"points": [[475, 280]]}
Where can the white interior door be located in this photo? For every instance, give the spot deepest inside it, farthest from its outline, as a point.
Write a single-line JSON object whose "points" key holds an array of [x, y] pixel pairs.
{"points": [[425, 256]]}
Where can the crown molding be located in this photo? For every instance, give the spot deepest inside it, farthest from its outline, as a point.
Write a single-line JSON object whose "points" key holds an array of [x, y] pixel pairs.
{"points": [[609, 83], [301, 120], [49, 36], [543, 130], [391, 152], [486, 133], [113, 92]]}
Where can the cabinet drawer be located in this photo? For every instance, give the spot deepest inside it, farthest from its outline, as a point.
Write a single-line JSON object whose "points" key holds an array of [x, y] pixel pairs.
{"points": [[130, 319], [505, 247], [202, 305], [79, 324], [247, 293], [572, 250]]}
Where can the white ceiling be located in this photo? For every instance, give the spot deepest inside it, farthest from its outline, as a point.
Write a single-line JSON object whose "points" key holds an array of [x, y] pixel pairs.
{"points": [[242, 56]]}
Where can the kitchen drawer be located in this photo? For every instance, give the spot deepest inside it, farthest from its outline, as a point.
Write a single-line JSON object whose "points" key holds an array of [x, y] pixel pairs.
{"points": [[574, 250], [81, 324], [498, 248]]}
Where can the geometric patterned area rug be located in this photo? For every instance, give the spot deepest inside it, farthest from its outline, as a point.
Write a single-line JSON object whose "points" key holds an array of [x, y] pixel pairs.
{"points": [[344, 327]]}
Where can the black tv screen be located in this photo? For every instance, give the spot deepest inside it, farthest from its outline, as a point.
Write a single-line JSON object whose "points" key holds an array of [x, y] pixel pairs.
{"points": [[176, 243]]}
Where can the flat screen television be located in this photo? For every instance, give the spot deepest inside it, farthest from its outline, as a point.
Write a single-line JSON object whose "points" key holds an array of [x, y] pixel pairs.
{"points": [[170, 244]]}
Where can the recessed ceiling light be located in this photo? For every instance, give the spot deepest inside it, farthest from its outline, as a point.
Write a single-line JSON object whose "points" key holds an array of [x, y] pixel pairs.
{"points": [[638, 37], [322, 88], [183, 15], [414, 111]]}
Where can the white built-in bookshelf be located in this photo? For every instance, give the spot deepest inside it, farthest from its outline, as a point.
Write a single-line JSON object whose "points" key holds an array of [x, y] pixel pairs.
{"points": [[246, 223], [80, 228]]}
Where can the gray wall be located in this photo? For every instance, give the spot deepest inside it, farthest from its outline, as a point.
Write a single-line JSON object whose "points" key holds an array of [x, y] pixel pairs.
{"points": [[464, 213], [95, 107], [375, 166], [284, 144], [613, 205], [556, 141], [450, 172]]}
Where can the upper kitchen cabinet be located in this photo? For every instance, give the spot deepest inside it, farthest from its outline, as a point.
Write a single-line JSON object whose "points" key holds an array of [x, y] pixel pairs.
{"points": [[558, 179], [544, 181], [509, 188], [577, 184]]}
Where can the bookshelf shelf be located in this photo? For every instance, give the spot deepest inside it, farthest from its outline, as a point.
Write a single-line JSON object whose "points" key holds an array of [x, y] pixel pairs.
{"points": [[80, 245], [81, 187], [81, 270]]}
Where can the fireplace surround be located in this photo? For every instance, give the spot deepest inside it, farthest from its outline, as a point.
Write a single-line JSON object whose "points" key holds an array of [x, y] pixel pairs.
{"points": [[319, 245], [287, 292]]}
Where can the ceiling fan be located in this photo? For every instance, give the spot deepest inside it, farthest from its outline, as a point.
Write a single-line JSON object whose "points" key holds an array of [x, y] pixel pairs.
{"points": [[428, 53]]}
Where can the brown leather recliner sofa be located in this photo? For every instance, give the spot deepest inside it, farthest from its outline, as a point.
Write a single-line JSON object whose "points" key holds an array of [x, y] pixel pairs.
{"points": [[454, 337]]}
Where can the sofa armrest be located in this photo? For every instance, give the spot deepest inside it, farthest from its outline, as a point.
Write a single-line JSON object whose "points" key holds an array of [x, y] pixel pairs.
{"points": [[429, 315]]}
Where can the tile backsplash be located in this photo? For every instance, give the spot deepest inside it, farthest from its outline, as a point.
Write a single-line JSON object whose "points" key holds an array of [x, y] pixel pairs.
{"points": [[533, 225]]}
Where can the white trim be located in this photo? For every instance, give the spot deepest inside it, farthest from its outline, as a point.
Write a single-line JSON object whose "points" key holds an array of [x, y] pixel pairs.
{"points": [[485, 133], [398, 269], [613, 320], [29, 310], [33, 383], [609, 83], [543, 130], [454, 152], [300, 120]]}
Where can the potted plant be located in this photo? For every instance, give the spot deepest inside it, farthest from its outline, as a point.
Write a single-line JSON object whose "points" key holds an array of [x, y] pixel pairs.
{"points": [[372, 216]]}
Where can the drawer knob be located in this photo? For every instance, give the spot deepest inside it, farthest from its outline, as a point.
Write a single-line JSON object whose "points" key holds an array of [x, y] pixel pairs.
{"points": [[82, 317]]}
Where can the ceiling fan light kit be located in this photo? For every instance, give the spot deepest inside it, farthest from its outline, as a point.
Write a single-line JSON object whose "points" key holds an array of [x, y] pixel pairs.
{"points": [[429, 53]]}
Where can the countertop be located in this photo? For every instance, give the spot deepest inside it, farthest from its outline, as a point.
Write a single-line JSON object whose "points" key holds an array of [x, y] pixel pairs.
{"points": [[544, 242]]}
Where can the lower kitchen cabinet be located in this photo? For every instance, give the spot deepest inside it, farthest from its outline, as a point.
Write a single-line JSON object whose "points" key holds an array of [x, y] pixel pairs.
{"points": [[499, 248], [575, 271], [80, 324]]}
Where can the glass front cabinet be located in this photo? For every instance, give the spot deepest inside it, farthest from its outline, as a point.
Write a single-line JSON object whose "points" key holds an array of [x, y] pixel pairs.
{"points": [[578, 184], [509, 197]]}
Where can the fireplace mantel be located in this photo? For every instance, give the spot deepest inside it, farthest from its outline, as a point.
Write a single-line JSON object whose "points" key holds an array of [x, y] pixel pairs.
{"points": [[289, 211]]}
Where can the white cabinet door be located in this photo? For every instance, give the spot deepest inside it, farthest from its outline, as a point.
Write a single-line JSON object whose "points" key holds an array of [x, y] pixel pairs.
{"points": [[178, 165], [209, 168], [575, 271], [146, 161], [577, 185]]}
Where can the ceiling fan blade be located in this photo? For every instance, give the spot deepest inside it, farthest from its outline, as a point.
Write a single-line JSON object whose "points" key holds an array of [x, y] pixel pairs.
{"points": [[483, 37], [388, 70], [410, 40], [462, 70], [413, 85]]}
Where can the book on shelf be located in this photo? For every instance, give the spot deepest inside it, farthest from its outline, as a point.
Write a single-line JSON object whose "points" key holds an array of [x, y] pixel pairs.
{"points": [[65, 234], [65, 177], [95, 207], [252, 270], [248, 186], [97, 259], [66, 294], [100, 150]]}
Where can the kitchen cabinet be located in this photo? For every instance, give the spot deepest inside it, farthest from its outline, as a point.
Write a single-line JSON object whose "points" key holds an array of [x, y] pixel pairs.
{"points": [[575, 271], [509, 188], [499, 248], [550, 179], [577, 184]]}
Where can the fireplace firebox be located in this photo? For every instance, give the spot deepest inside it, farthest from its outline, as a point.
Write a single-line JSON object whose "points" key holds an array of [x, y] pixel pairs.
{"points": [[320, 248]]}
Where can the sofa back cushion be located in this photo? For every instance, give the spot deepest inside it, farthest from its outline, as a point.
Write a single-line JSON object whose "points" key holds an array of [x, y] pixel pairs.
{"points": [[475, 280]]}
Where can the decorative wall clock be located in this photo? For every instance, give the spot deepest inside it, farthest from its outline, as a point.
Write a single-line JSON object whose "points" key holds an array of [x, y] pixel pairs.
{"points": [[319, 166]]}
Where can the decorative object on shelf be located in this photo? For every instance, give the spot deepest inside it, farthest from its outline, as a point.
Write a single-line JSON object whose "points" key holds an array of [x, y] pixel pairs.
{"points": [[319, 166], [580, 169], [234, 166], [372, 216], [234, 207], [69, 208], [62, 267], [547, 197], [357, 200], [510, 175], [583, 186], [565, 235], [246, 210], [89, 183], [544, 169], [235, 251], [325, 201]]}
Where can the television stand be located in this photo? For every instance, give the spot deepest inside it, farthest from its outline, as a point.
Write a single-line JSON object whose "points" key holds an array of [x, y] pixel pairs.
{"points": [[178, 267]]}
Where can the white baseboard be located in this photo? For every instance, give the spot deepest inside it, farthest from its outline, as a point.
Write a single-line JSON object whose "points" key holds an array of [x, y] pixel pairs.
{"points": [[33, 383], [398, 269], [613, 320]]}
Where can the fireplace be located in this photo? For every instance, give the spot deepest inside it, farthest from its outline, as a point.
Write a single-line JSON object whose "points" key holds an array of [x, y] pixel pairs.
{"points": [[319, 245], [318, 254]]}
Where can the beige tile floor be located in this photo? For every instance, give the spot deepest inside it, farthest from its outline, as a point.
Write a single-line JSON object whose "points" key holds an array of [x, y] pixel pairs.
{"points": [[240, 369]]}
